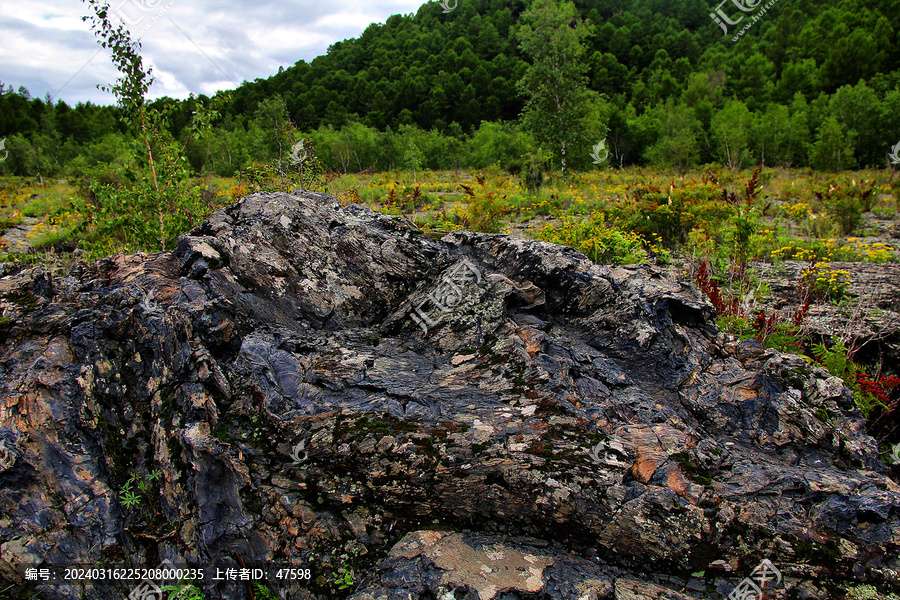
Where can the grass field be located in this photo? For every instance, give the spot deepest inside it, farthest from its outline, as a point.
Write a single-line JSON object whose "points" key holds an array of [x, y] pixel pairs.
{"points": [[631, 215]]}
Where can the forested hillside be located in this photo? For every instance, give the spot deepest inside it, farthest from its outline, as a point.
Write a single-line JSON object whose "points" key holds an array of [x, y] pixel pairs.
{"points": [[810, 83]]}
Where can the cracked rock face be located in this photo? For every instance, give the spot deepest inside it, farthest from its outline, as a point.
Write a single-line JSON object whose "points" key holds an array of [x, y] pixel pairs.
{"points": [[477, 417]]}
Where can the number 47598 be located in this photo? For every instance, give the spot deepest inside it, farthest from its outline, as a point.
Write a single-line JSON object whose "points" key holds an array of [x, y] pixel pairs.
{"points": [[293, 574]]}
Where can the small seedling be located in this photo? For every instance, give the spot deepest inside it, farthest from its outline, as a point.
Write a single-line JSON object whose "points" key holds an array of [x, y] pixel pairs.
{"points": [[343, 580], [128, 496]]}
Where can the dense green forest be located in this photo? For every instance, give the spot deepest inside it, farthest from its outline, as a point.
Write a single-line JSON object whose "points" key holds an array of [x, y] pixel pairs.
{"points": [[810, 84]]}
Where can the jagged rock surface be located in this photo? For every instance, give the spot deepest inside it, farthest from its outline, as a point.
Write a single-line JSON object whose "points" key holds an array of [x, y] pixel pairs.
{"points": [[271, 370]]}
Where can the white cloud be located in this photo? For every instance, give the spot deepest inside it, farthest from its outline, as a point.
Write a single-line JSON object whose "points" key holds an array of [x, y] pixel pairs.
{"points": [[47, 48]]}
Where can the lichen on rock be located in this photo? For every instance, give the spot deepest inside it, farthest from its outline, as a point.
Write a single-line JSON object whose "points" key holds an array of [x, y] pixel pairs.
{"points": [[589, 423]]}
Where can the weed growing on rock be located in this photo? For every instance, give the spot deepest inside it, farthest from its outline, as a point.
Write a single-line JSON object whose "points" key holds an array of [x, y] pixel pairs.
{"points": [[736, 315], [129, 496], [343, 578], [264, 592], [825, 283], [186, 591]]}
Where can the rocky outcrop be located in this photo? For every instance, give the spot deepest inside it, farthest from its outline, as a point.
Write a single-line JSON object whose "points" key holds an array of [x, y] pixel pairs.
{"points": [[869, 317], [478, 416]]}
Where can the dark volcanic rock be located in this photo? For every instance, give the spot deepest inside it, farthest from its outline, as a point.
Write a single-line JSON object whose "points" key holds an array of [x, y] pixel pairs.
{"points": [[304, 384]]}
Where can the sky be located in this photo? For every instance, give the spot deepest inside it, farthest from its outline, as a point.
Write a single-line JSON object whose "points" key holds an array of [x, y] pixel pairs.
{"points": [[193, 46]]}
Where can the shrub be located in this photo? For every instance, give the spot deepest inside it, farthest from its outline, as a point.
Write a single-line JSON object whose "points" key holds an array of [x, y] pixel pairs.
{"points": [[825, 283], [600, 242], [870, 394]]}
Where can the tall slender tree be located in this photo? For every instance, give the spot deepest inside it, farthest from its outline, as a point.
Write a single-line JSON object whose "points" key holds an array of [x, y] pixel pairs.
{"points": [[555, 85]]}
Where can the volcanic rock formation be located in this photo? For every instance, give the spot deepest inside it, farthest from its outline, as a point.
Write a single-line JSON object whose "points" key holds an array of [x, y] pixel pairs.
{"points": [[479, 416]]}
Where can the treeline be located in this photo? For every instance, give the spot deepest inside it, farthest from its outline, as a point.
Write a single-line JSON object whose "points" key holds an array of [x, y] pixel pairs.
{"points": [[810, 84], [43, 137]]}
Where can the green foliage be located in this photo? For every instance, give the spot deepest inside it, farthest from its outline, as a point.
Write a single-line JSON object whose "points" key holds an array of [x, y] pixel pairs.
{"points": [[486, 211], [499, 144], [131, 87], [833, 149], [837, 359], [677, 132], [263, 591], [825, 283], [813, 84], [129, 496], [731, 131], [783, 336], [558, 100], [152, 199], [598, 241], [674, 214], [536, 165], [302, 169], [343, 578], [483, 212], [412, 157], [183, 591], [355, 147], [868, 592], [847, 211], [737, 316]]}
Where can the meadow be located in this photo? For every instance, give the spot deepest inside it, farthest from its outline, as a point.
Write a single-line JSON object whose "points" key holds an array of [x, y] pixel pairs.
{"points": [[627, 216]]}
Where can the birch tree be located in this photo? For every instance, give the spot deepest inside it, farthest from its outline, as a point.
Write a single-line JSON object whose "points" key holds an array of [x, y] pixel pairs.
{"points": [[555, 85]]}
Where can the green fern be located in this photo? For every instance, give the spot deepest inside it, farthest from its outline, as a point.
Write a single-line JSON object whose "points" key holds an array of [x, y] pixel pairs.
{"points": [[187, 591], [264, 592]]}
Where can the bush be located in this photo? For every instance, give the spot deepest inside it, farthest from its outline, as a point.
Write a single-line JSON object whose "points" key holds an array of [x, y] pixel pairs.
{"points": [[498, 144], [600, 242], [825, 283], [833, 149]]}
